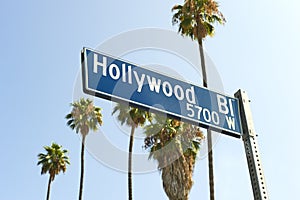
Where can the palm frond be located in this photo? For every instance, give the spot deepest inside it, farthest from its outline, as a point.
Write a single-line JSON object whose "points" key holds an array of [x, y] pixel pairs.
{"points": [[69, 122], [84, 113], [54, 161], [69, 116], [205, 12], [177, 7]]}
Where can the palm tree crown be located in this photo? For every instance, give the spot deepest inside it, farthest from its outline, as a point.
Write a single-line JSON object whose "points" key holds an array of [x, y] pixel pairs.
{"points": [[84, 116], [54, 161], [131, 115], [196, 18]]}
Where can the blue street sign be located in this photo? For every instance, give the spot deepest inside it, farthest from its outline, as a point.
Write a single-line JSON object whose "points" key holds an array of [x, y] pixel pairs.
{"points": [[115, 79]]}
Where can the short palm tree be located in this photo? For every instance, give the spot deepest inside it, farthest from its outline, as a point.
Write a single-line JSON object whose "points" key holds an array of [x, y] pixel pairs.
{"points": [[132, 117], [83, 118], [195, 19], [174, 145], [53, 162]]}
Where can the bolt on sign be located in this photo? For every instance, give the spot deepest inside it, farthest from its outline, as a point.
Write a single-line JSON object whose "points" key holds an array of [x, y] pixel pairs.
{"points": [[115, 79]]}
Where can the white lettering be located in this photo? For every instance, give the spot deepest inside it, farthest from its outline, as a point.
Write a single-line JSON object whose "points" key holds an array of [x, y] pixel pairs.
{"points": [[190, 95], [189, 107], [111, 71], [199, 111], [230, 107], [129, 75], [230, 122], [170, 91], [177, 95], [222, 104], [139, 81], [215, 117], [124, 72], [206, 115], [153, 85], [97, 63]]}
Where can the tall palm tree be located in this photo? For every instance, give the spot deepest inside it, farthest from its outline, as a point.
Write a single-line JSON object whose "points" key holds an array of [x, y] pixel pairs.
{"points": [[53, 162], [132, 117], [174, 145], [83, 118], [195, 19]]}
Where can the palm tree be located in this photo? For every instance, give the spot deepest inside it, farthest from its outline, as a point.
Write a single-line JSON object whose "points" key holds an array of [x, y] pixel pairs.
{"points": [[195, 19], [174, 145], [83, 118], [53, 162], [133, 117]]}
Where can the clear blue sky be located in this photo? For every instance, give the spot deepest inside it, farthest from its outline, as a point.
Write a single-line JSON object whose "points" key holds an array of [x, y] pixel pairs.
{"points": [[256, 50]]}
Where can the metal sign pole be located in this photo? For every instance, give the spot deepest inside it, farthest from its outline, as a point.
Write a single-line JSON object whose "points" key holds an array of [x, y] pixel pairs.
{"points": [[251, 148]]}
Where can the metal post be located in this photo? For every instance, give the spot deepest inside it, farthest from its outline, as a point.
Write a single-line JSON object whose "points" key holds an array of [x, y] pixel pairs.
{"points": [[251, 148]]}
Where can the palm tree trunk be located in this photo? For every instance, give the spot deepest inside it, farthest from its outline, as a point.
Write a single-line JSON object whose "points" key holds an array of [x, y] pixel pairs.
{"points": [[130, 162], [209, 136], [82, 167], [49, 187], [203, 67], [177, 180], [210, 165]]}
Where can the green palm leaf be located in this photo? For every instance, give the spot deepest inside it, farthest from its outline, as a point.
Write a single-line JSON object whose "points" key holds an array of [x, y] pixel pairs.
{"points": [[194, 14], [54, 161]]}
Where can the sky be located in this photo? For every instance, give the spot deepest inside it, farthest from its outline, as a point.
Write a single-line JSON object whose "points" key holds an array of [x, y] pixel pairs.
{"points": [[257, 50]]}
